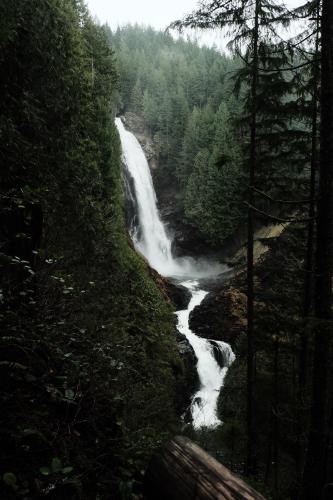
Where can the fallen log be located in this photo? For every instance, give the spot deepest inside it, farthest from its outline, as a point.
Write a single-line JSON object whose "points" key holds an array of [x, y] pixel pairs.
{"points": [[181, 470]]}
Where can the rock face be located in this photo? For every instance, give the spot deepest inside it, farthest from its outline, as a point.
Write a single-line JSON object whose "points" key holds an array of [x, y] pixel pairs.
{"points": [[220, 316], [186, 239], [137, 126], [188, 379], [218, 355], [130, 202], [264, 236], [190, 382], [178, 294], [180, 298], [190, 362]]}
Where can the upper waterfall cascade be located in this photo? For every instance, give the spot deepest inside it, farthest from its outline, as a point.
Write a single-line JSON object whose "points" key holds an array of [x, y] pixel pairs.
{"points": [[152, 241]]}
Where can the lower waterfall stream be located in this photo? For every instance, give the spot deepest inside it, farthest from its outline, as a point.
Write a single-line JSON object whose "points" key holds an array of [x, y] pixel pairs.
{"points": [[150, 238]]}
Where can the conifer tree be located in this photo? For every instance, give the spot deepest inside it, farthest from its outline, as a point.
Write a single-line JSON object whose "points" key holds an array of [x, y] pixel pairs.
{"points": [[315, 473], [248, 22]]}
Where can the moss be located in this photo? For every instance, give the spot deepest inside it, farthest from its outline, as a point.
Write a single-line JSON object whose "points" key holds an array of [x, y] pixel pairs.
{"points": [[88, 360]]}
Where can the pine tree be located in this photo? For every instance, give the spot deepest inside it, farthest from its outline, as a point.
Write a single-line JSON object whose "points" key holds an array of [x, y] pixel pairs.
{"points": [[248, 21], [315, 468], [136, 99]]}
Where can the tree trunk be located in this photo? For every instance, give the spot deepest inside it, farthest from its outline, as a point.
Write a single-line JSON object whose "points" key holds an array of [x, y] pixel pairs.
{"points": [[181, 470], [314, 473], [275, 408], [251, 431], [308, 278], [309, 274]]}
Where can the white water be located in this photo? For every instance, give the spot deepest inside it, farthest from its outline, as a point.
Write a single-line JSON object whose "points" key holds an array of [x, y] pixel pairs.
{"points": [[152, 241], [211, 375]]}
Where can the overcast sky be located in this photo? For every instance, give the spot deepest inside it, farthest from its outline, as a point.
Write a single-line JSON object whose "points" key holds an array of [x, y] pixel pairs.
{"points": [[156, 13]]}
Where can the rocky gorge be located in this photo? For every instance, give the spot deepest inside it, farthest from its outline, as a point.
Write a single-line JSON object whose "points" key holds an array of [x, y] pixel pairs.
{"points": [[221, 316], [186, 239]]}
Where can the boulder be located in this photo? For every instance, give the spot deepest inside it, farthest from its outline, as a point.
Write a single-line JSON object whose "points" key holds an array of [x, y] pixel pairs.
{"points": [[220, 316], [190, 380], [178, 294], [218, 354]]}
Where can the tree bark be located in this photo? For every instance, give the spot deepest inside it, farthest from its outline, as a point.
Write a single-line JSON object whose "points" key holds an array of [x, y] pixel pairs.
{"points": [[314, 473], [181, 470], [251, 431], [309, 268]]}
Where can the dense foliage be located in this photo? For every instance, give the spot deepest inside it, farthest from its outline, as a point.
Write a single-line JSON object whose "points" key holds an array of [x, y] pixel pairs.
{"points": [[280, 415], [186, 96], [287, 426], [91, 380], [184, 93], [88, 362]]}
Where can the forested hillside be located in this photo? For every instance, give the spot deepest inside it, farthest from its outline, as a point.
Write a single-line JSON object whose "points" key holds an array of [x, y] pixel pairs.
{"points": [[184, 94], [88, 362], [277, 311], [194, 103], [97, 368], [246, 154]]}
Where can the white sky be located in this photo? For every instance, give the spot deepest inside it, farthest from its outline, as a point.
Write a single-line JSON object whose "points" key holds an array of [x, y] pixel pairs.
{"points": [[156, 13]]}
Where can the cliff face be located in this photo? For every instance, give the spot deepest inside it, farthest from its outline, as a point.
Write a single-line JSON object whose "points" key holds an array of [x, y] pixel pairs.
{"points": [[221, 316], [136, 125], [186, 238]]}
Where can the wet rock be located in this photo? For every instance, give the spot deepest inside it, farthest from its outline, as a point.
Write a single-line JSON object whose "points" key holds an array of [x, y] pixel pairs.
{"points": [[186, 351], [218, 354], [137, 126], [178, 294], [187, 354], [175, 294], [190, 381], [187, 240], [220, 316], [130, 201]]}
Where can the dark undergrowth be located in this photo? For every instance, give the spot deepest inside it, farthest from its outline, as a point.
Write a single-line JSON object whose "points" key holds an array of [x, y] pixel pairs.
{"points": [[281, 412], [89, 372]]}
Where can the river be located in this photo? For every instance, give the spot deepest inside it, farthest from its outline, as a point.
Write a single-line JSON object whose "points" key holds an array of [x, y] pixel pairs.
{"points": [[151, 239]]}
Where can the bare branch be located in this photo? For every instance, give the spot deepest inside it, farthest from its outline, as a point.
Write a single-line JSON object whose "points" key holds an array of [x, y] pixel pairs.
{"points": [[273, 217], [288, 202]]}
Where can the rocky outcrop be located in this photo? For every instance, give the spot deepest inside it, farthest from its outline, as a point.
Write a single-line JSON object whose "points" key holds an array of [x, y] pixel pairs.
{"points": [[218, 354], [190, 379], [263, 238], [190, 362], [175, 294], [178, 294], [187, 241], [220, 316], [137, 126], [130, 202]]}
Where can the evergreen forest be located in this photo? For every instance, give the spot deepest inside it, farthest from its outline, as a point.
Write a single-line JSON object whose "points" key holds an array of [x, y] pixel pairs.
{"points": [[166, 254]]}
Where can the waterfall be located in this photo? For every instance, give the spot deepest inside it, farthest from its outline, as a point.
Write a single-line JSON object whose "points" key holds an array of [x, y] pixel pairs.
{"points": [[211, 374], [151, 240]]}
